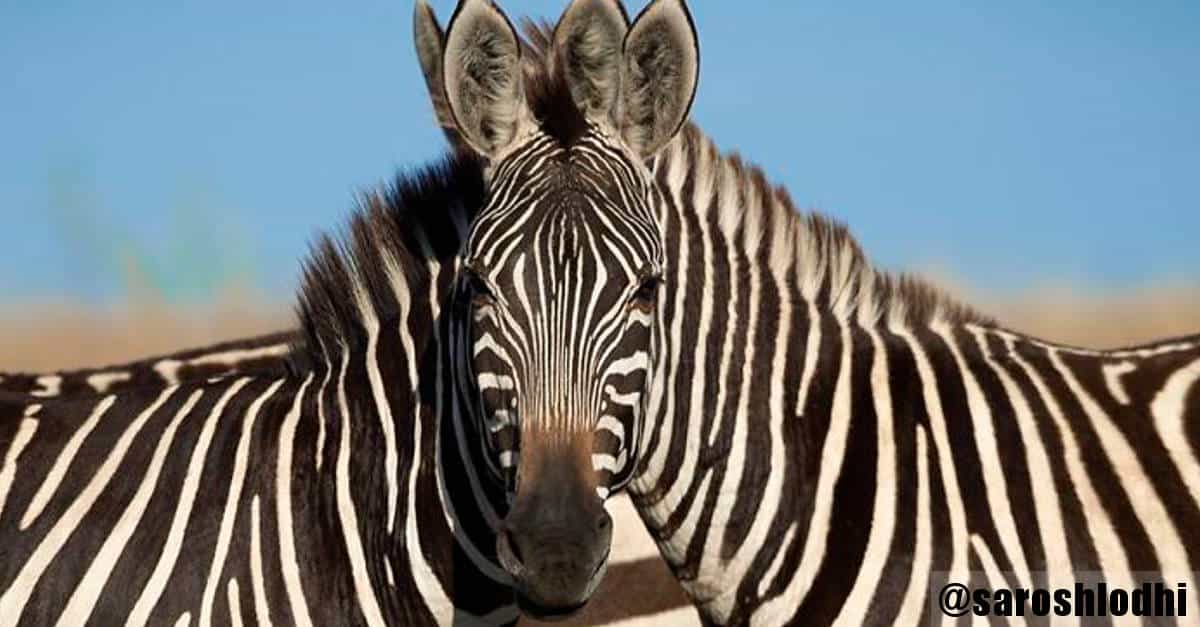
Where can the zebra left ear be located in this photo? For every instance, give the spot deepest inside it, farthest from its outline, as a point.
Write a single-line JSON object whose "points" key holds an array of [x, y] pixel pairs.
{"points": [[659, 73], [588, 40], [483, 79]]}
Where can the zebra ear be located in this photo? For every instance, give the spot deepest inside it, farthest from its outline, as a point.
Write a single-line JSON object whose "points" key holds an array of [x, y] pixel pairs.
{"points": [[430, 42], [660, 69], [588, 40], [484, 83]]}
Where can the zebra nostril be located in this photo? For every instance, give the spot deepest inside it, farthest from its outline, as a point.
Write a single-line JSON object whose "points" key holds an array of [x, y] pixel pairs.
{"points": [[604, 521]]}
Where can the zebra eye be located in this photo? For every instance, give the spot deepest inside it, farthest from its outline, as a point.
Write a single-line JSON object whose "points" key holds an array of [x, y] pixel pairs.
{"points": [[646, 291]]}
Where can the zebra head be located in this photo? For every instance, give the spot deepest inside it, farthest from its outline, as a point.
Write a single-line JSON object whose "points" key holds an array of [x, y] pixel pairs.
{"points": [[561, 267]]}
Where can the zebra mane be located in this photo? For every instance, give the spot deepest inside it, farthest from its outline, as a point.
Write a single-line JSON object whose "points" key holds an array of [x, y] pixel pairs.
{"points": [[394, 242], [816, 251], [822, 253]]}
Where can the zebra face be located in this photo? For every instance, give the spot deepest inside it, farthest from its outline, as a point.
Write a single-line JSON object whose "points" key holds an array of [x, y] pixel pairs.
{"points": [[562, 270], [563, 264]]}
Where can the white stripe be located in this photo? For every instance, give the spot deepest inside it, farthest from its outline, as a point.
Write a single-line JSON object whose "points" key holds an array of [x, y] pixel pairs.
{"points": [[169, 368], [779, 609], [320, 455], [185, 619], [12, 604], [235, 602], [51, 386], [639, 360], [384, 409], [995, 480], [1168, 412], [811, 345], [233, 357], [1112, 378], [347, 514], [232, 501], [262, 612], [288, 564], [8, 473], [604, 461], [918, 583], [83, 599], [183, 511], [1133, 480], [102, 381], [55, 476], [883, 516]]}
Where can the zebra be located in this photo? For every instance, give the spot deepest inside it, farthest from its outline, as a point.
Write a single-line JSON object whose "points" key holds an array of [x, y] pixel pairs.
{"points": [[809, 439], [724, 469], [263, 354], [231, 473]]}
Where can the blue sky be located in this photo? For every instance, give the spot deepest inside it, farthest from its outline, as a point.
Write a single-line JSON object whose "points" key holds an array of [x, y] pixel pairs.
{"points": [[1007, 144]]}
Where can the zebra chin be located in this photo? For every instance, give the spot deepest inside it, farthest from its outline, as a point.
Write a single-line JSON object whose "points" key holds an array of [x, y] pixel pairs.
{"points": [[531, 592], [555, 575]]}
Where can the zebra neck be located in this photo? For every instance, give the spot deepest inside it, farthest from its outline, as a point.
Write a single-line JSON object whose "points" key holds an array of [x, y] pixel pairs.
{"points": [[426, 513], [762, 308]]}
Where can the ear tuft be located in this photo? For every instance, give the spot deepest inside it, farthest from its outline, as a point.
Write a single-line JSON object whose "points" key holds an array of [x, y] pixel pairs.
{"points": [[588, 39], [484, 83], [661, 65]]}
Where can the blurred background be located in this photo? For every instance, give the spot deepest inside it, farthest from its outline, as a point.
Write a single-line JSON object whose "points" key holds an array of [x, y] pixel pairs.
{"points": [[164, 165]]}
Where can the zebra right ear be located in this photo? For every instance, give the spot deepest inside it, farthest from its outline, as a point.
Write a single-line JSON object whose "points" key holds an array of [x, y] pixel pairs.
{"points": [[660, 69], [483, 79]]}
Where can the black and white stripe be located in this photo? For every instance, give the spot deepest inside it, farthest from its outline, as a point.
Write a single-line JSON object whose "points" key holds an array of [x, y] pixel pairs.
{"points": [[826, 443]]}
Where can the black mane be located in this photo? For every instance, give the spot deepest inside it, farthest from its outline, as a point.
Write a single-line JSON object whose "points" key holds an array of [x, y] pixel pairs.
{"points": [[418, 222]]}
